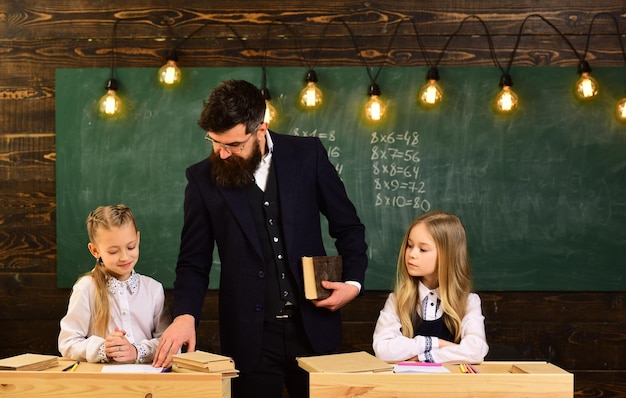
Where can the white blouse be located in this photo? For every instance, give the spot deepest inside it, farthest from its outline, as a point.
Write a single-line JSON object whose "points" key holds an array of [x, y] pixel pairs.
{"points": [[390, 345], [136, 306]]}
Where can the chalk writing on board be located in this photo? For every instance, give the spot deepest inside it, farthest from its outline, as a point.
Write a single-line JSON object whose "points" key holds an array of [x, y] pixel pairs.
{"points": [[322, 135], [329, 140], [395, 167]]}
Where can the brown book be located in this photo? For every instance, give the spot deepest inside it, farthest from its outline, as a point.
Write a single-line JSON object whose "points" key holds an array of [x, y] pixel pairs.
{"points": [[351, 362], [29, 362], [202, 361], [317, 269], [181, 368]]}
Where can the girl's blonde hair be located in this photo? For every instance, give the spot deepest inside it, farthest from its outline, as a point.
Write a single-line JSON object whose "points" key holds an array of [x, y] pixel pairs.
{"points": [[104, 217], [454, 271]]}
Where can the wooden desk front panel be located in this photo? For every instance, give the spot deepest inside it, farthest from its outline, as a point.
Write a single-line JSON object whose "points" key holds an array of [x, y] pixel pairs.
{"points": [[89, 381], [494, 381]]}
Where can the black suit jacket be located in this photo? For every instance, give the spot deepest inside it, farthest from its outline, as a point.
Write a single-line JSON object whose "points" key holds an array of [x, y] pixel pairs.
{"points": [[308, 185]]}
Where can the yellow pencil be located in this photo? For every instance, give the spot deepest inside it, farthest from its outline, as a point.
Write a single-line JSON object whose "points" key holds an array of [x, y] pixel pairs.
{"points": [[68, 368], [463, 370], [75, 366]]}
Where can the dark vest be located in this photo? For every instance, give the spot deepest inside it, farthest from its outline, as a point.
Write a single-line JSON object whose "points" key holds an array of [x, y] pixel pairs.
{"points": [[279, 285], [436, 328]]}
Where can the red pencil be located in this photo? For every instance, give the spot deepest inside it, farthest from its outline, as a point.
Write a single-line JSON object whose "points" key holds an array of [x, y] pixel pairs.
{"points": [[473, 369]]}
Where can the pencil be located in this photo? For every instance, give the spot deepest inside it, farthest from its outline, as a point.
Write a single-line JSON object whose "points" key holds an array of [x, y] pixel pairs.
{"points": [[463, 370], [69, 367], [75, 366]]}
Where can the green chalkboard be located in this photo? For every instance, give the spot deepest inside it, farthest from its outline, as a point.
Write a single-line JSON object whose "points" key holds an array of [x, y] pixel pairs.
{"points": [[542, 193]]}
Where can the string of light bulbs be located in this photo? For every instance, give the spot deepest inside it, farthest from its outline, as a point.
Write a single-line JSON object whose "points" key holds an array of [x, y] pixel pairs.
{"points": [[170, 74], [311, 96], [620, 108], [375, 108], [430, 95], [586, 87], [110, 104]]}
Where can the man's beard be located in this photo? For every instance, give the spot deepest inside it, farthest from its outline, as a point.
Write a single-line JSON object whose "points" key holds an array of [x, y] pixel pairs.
{"points": [[235, 172]]}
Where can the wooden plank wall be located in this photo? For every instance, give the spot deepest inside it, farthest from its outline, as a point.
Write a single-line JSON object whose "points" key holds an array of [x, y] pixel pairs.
{"points": [[584, 333]]}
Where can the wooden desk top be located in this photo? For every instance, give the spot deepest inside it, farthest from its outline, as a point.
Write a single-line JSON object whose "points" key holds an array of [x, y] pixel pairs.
{"points": [[88, 380], [495, 380]]}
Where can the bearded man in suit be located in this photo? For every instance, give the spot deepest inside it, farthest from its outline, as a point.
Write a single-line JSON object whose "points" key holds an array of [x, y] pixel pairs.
{"points": [[259, 197]]}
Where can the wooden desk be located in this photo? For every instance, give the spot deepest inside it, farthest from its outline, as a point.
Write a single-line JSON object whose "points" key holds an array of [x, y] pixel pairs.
{"points": [[495, 380], [89, 381]]}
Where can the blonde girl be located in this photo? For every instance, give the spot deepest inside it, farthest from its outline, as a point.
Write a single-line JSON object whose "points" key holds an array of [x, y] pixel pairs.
{"points": [[432, 314], [114, 314]]}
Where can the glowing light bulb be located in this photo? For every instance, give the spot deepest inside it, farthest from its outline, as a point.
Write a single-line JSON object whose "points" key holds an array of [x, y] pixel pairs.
{"points": [[110, 104], [270, 111], [506, 101], [586, 87], [620, 110], [311, 95], [374, 108], [431, 94], [169, 74]]}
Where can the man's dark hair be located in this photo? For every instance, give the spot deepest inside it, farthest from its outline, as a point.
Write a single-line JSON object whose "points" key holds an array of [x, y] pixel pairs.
{"points": [[231, 103]]}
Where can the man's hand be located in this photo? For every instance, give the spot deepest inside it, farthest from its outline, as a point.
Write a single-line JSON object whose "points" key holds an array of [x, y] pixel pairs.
{"points": [[181, 331], [342, 294]]}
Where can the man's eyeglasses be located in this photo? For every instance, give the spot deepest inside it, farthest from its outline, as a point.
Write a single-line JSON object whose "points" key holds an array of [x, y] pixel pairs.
{"points": [[230, 148]]}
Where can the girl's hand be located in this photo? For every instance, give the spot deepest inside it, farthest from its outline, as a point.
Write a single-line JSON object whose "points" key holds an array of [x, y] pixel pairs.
{"points": [[118, 348]]}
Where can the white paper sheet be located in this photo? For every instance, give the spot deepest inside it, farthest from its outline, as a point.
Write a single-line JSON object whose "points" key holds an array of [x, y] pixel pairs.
{"points": [[131, 368], [420, 369]]}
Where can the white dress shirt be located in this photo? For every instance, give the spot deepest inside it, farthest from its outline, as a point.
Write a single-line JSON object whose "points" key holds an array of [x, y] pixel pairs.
{"points": [[136, 306], [390, 345]]}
